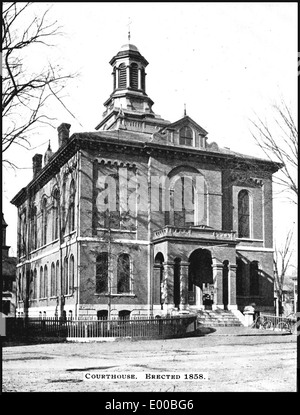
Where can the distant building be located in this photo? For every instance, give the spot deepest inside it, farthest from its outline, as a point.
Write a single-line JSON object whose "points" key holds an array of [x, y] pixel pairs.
{"points": [[8, 276], [143, 216]]}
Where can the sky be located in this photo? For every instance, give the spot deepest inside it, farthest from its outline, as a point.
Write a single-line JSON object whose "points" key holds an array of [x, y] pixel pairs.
{"points": [[225, 61]]}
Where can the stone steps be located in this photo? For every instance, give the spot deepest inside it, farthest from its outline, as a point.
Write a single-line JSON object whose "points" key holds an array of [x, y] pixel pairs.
{"points": [[217, 318]]}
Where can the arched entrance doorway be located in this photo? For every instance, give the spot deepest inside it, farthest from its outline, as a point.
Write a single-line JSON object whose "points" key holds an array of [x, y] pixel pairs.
{"points": [[200, 275]]}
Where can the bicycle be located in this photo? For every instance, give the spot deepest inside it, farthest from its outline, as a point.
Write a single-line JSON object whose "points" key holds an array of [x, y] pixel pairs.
{"points": [[263, 323], [288, 323]]}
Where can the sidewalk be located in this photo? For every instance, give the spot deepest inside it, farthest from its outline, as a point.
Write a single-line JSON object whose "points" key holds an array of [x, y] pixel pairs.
{"points": [[239, 331]]}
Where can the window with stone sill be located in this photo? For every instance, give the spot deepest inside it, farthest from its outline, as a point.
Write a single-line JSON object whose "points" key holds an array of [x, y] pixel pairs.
{"points": [[124, 274], [243, 214]]}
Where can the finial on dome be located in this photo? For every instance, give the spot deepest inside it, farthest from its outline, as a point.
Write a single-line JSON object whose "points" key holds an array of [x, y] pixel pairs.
{"points": [[129, 35], [184, 112]]}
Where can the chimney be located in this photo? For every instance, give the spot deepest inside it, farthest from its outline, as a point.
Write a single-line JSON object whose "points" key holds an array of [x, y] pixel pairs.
{"points": [[37, 160], [63, 133]]}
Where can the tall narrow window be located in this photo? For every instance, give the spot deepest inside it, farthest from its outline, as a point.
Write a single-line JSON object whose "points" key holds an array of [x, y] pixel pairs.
{"points": [[123, 282], [134, 76], [33, 227], [186, 136], [183, 202], [55, 214], [243, 214], [53, 280], [41, 282], [122, 75], [63, 217], [72, 207], [45, 281], [57, 278], [35, 283], [31, 286], [114, 79], [71, 274], [254, 278], [44, 222], [143, 79], [66, 279], [102, 273]]}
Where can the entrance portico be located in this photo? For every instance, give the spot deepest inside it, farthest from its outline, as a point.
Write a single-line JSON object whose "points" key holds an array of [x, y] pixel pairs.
{"points": [[197, 273]]}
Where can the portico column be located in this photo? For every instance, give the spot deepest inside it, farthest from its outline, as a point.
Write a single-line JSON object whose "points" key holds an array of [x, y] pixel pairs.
{"points": [[168, 286], [184, 277], [232, 287], [157, 289], [218, 284]]}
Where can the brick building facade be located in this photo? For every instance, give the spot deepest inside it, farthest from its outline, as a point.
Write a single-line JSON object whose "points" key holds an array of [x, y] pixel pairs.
{"points": [[143, 216]]}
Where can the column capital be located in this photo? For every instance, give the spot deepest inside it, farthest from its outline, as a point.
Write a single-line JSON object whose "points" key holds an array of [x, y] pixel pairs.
{"points": [[168, 263], [184, 264]]}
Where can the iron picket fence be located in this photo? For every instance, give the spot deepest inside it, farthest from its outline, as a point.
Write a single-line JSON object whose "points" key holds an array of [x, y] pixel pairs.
{"points": [[102, 328]]}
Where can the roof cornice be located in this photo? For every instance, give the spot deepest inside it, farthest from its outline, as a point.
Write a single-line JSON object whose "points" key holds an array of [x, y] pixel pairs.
{"points": [[101, 140]]}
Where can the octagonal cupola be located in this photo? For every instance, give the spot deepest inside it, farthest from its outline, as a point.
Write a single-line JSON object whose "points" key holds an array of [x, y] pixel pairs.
{"points": [[128, 99]]}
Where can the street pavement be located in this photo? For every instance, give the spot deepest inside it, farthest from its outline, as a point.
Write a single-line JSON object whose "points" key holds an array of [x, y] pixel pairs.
{"points": [[235, 359]]}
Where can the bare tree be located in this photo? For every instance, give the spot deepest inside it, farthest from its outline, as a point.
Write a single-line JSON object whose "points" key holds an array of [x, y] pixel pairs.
{"points": [[281, 260], [280, 141], [25, 92]]}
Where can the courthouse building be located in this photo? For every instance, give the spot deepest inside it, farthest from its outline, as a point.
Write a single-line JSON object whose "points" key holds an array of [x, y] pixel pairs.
{"points": [[143, 216]]}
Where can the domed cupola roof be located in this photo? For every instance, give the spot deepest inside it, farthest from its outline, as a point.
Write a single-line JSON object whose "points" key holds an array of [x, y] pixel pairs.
{"points": [[129, 46]]}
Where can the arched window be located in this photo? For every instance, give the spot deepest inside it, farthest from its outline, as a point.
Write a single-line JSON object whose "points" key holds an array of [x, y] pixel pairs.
{"points": [[123, 277], [41, 282], [31, 285], [102, 273], [63, 217], [44, 221], [122, 76], [57, 278], [186, 136], [243, 214], [114, 78], [124, 315], [72, 207], [254, 278], [55, 214], [71, 274], [45, 281], [66, 280], [143, 79], [53, 281], [183, 201], [35, 283], [134, 76], [34, 227]]}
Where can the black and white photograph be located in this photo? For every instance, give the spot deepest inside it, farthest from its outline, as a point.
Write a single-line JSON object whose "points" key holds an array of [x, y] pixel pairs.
{"points": [[149, 200]]}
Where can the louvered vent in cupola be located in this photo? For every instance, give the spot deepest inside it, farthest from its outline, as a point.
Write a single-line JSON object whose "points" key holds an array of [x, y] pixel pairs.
{"points": [[134, 76], [122, 76]]}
